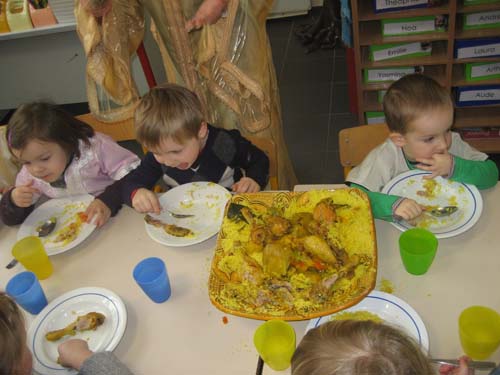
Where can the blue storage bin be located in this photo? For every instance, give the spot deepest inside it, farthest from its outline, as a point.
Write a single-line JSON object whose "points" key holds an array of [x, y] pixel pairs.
{"points": [[472, 48], [477, 95]]}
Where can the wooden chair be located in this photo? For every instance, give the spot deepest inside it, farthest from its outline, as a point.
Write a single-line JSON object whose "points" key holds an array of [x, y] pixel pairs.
{"points": [[269, 147], [356, 142], [119, 130]]}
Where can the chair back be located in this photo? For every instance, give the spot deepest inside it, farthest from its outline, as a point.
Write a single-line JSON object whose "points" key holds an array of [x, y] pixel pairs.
{"points": [[356, 142], [269, 147], [119, 130]]}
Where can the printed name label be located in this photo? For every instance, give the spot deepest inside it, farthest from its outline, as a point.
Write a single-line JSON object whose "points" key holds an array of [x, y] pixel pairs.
{"points": [[485, 70], [388, 4], [484, 18], [481, 95], [477, 51], [398, 28], [397, 51], [388, 75]]}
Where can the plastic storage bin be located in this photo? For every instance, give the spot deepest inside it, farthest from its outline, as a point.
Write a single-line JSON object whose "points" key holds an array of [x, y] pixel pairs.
{"points": [[42, 17], [18, 16]]}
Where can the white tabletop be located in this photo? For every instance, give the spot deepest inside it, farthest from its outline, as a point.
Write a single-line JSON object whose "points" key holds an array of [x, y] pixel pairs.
{"points": [[187, 334]]}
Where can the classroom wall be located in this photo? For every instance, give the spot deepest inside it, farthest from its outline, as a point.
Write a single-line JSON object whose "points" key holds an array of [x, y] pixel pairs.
{"points": [[52, 67]]}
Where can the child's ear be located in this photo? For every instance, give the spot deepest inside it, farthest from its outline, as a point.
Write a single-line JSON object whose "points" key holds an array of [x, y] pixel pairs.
{"points": [[398, 139], [202, 133]]}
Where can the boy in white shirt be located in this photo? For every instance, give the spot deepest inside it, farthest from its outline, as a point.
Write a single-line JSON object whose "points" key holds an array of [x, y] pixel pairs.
{"points": [[419, 113]]}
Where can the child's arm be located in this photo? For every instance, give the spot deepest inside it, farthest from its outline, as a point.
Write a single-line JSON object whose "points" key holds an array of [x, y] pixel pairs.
{"points": [[482, 174], [251, 159], [75, 353], [144, 176], [10, 213], [385, 206]]}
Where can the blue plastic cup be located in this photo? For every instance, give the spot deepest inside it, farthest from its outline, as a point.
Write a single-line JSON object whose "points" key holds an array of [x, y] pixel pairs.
{"points": [[27, 292], [151, 275]]}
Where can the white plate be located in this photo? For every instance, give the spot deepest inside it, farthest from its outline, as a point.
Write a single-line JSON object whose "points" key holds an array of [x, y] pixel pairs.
{"points": [[65, 309], [447, 193], [64, 209], [205, 200], [392, 310]]}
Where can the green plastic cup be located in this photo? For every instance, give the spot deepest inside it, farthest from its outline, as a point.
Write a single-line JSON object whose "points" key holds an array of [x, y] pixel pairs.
{"points": [[479, 329], [275, 342], [417, 247]]}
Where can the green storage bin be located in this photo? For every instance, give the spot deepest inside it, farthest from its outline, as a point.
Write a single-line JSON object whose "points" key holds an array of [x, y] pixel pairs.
{"points": [[374, 117], [482, 71], [476, 2], [482, 20], [380, 95]]}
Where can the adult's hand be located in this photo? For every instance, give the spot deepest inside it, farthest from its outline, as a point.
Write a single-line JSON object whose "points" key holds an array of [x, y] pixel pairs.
{"points": [[208, 13]]}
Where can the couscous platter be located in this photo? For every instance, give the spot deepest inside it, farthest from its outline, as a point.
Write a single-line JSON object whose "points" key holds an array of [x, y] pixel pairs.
{"points": [[294, 256]]}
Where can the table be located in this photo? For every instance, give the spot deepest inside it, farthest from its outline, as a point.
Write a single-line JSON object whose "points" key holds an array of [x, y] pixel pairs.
{"points": [[187, 334]]}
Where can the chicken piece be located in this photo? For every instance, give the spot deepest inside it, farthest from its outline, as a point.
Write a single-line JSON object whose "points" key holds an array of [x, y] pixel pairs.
{"points": [[324, 212], [278, 226], [276, 259], [259, 234], [318, 247], [301, 222], [86, 322], [171, 229]]}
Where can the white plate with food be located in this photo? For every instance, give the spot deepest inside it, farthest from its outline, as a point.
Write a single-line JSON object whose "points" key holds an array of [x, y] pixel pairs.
{"points": [[63, 312], [438, 192], [385, 307], [205, 201], [71, 228]]}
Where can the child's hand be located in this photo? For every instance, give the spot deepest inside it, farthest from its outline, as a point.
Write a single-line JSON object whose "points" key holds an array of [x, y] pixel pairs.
{"points": [[98, 212], [73, 353], [462, 369], [246, 185], [438, 165], [22, 196], [145, 200], [408, 209]]}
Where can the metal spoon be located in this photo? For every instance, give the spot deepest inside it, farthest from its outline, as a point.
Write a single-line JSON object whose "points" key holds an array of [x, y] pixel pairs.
{"points": [[479, 365], [442, 211], [177, 216], [46, 227]]}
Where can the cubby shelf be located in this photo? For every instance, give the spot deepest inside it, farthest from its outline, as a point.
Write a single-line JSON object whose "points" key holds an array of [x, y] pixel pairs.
{"points": [[441, 64]]}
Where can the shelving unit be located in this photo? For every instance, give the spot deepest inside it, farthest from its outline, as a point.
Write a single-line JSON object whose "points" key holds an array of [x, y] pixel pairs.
{"points": [[440, 65]]}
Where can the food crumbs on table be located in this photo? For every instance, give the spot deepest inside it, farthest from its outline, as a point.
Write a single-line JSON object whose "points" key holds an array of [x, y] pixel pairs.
{"points": [[225, 320], [386, 286]]}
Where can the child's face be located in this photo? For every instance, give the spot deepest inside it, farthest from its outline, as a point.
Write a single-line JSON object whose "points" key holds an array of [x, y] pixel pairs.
{"points": [[44, 160], [428, 134], [180, 155]]}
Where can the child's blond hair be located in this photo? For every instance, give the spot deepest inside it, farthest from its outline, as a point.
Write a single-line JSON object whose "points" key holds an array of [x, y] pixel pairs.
{"points": [[12, 335], [168, 111], [352, 347], [410, 97]]}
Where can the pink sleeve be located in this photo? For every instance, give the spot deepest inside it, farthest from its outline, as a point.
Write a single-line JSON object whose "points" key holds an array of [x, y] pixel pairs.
{"points": [[115, 160], [24, 178]]}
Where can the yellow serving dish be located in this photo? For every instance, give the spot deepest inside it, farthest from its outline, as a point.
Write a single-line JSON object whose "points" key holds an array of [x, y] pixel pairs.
{"points": [[294, 256]]}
